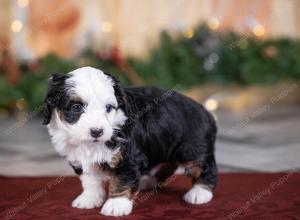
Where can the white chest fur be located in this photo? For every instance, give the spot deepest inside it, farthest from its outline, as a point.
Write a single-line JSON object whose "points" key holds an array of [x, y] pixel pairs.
{"points": [[89, 155]]}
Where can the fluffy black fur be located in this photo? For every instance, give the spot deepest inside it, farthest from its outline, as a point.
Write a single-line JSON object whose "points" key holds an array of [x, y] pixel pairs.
{"points": [[165, 126], [57, 96], [162, 126]]}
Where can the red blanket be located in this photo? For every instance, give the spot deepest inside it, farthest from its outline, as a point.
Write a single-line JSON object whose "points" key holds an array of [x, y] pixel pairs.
{"points": [[238, 196]]}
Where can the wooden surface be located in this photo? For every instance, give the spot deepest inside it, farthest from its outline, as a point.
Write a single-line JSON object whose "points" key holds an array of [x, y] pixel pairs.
{"points": [[268, 142]]}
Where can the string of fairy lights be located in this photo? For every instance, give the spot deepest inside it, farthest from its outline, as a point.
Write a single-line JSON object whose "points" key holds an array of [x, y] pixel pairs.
{"points": [[17, 24], [250, 22], [214, 23]]}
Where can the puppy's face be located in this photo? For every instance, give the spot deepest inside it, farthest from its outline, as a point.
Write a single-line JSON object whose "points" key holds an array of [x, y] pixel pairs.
{"points": [[86, 104]]}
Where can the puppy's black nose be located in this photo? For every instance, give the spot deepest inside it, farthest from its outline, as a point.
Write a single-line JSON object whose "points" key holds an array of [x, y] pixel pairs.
{"points": [[96, 132]]}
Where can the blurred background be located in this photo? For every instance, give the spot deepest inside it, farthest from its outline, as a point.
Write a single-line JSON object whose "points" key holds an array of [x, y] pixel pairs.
{"points": [[240, 59]]}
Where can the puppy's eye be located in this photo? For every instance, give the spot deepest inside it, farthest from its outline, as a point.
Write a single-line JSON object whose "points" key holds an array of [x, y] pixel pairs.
{"points": [[76, 107], [109, 108]]}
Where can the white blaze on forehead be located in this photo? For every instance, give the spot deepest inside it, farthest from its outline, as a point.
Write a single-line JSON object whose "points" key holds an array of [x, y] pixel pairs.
{"points": [[91, 84]]}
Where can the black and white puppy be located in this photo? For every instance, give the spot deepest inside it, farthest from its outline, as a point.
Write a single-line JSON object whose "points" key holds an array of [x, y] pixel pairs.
{"points": [[116, 134]]}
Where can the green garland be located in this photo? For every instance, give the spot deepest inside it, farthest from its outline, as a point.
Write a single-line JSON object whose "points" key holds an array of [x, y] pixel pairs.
{"points": [[238, 59], [207, 57]]}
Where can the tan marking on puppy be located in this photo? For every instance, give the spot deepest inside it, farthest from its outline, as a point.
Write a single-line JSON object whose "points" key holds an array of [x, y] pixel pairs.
{"points": [[195, 172], [192, 169], [116, 190], [115, 160]]}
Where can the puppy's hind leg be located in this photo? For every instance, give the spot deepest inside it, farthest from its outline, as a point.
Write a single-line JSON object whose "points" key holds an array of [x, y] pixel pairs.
{"points": [[204, 179]]}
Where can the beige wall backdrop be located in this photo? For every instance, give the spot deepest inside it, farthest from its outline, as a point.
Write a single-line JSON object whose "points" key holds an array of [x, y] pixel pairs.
{"points": [[5, 20], [67, 26], [136, 24]]}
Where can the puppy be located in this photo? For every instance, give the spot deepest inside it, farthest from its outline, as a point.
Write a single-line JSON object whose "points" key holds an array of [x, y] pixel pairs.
{"points": [[116, 134]]}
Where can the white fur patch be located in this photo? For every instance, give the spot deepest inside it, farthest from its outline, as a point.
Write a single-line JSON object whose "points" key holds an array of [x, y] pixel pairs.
{"points": [[198, 195], [93, 194], [118, 206], [147, 183], [88, 200]]}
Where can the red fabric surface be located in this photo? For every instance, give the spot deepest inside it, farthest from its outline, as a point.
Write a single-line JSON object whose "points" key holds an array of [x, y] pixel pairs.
{"points": [[238, 196]]}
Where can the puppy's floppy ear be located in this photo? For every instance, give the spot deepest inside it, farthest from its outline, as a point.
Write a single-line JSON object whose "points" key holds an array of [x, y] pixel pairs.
{"points": [[119, 92], [56, 89]]}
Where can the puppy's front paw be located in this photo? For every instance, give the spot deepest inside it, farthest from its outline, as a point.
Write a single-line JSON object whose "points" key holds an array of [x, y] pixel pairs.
{"points": [[117, 207], [88, 201], [198, 195]]}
